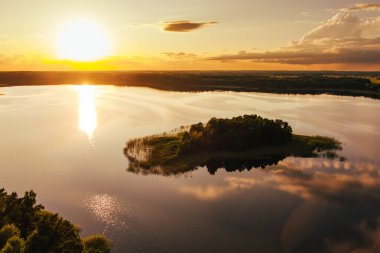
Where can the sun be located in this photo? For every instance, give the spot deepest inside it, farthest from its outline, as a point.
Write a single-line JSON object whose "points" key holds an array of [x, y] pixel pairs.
{"points": [[83, 41]]}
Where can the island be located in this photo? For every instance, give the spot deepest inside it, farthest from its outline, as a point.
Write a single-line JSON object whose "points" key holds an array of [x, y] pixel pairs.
{"points": [[240, 143], [26, 227]]}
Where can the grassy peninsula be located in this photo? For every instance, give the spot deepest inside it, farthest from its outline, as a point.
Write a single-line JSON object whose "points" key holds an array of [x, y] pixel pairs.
{"points": [[26, 227], [240, 143]]}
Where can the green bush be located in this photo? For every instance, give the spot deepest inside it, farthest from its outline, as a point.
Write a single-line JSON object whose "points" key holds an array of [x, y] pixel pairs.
{"points": [[14, 245], [7, 232], [53, 234], [97, 244], [27, 228]]}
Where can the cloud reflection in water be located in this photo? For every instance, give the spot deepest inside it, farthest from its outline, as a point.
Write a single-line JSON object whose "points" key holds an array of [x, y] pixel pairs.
{"points": [[214, 192], [338, 206]]}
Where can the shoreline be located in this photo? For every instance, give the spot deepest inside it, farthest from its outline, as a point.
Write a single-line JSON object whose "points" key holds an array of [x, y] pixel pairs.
{"points": [[352, 84]]}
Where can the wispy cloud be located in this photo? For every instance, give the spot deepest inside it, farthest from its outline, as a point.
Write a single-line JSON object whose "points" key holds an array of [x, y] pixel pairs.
{"points": [[362, 7], [11, 59], [184, 25], [179, 55], [306, 14], [308, 58]]}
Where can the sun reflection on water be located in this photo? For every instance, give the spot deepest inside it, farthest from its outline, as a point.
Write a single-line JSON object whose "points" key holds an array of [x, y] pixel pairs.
{"points": [[106, 209], [87, 111]]}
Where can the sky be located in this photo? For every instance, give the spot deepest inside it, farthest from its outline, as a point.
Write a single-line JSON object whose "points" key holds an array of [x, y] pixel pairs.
{"points": [[189, 35]]}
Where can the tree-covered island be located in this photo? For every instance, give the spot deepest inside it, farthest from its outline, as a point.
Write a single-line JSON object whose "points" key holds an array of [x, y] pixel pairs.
{"points": [[240, 143]]}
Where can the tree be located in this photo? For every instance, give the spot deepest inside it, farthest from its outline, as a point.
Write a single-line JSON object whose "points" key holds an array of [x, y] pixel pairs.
{"points": [[26, 227], [97, 244]]}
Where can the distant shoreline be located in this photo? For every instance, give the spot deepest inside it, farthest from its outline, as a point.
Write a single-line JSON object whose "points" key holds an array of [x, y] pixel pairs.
{"points": [[364, 84]]}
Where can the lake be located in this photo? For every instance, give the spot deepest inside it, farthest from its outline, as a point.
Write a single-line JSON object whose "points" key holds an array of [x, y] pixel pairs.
{"points": [[66, 143]]}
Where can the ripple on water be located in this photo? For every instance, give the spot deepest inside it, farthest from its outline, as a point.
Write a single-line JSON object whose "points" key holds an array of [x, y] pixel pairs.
{"points": [[106, 209]]}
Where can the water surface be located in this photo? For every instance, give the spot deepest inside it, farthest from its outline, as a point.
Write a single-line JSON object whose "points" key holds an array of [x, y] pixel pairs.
{"points": [[66, 143]]}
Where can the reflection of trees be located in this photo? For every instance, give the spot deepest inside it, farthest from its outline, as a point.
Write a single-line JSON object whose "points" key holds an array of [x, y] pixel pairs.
{"points": [[241, 164], [213, 164], [236, 144], [141, 161]]}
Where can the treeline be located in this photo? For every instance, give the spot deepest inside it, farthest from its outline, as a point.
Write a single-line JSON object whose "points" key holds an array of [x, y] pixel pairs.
{"points": [[264, 81], [242, 81], [236, 134], [26, 227]]}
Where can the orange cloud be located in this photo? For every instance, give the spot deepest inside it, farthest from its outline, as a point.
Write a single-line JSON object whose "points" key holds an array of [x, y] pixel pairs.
{"points": [[180, 55], [184, 25]]}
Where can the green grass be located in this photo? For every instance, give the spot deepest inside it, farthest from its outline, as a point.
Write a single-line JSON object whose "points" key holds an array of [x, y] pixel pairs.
{"points": [[164, 149]]}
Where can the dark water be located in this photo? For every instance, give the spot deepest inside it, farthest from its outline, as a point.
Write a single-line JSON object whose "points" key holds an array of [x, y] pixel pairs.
{"points": [[67, 143]]}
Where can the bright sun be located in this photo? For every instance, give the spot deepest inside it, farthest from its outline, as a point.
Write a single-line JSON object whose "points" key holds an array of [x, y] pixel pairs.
{"points": [[83, 41]]}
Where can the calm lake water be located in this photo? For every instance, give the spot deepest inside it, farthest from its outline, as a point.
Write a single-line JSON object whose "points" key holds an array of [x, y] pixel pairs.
{"points": [[66, 143]]}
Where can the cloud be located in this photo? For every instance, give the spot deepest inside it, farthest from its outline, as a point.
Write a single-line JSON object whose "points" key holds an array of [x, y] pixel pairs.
{"points": [[343, 39], [362, 7], [179, 55], [10, 59], [184, 25], [341, 25], [339, 55]]}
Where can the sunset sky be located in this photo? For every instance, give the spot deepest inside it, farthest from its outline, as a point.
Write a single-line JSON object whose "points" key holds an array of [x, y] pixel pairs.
{"points": [[189, 35]]}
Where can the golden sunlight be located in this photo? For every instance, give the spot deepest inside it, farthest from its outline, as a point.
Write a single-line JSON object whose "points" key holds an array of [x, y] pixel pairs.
{"points": [[82, 40], [87, 111]]}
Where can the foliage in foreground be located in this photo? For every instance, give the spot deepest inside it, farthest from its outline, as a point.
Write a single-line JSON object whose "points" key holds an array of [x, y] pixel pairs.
{"points": [[97, 244], [239, 143], [26, 227]]}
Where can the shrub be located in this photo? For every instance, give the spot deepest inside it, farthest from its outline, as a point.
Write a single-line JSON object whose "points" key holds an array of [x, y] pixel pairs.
{"points": [[27, 228], [97, 244], [7, 232]]}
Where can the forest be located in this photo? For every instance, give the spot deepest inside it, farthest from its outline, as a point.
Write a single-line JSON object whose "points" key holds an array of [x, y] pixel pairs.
{"points": [[364, 84], [236, 134], [26, 227]]}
